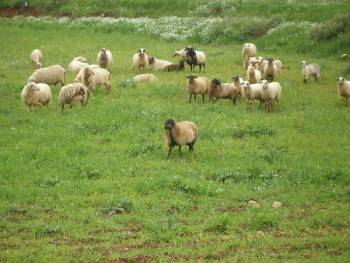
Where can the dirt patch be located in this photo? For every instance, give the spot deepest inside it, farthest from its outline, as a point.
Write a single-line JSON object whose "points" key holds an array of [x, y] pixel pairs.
{"points": [[11, 12]]}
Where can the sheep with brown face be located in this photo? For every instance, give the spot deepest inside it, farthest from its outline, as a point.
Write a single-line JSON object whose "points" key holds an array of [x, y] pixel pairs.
{"points": [[175, 67], [140, 59], [253, 75], [197, 85], [104, 58], [180, 133], [220, 90], [344, 89]]}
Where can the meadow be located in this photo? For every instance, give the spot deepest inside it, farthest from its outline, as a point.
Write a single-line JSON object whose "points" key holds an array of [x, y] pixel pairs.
{"points": [[94, 184]]}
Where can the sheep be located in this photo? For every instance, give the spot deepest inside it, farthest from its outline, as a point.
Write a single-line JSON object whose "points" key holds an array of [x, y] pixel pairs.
{"points": [[175, 67], [279, 65], [77, 64], [310, 69], [271, 93], [197, 85], [253, 92], [253, 75], [50, 75], [248, 51], [36, 56], [222, 91], [270, 70], [140, 59], [145, 78], [181, 54], [344, 89], [260, 63], [104, 58], [238, 82], [195, 57], [180, 133], [92, 76], [34, 94], [157, 64], [73, 92]]}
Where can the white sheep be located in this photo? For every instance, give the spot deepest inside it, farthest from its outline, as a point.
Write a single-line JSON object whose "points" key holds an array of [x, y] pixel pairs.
{"points": [[253, 92], [271, 93], [157, 64], [195, 57], [77, 64], [248, 51], [253, 75], [140, 59], [239, 85], [197, 85], [259, 63], [145, 78], [92, 76], [34, 94], [270, 70], [310, 69], [36, 57], [71, 93], [50, 75], [279, 65], [181, 54], [344, 89], [104, 58], [81, 59]]}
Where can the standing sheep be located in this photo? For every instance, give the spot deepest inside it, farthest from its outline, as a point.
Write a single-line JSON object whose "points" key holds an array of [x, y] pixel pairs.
{"points": [[222, 91], [157, 64], [181, 54], [180, 133], [36, 57], [77, 64], [197, 85], [34, 94], [279, 65], [104, 58], [72, 93], [271, 93], [92, 76], [239, 85], [253, 75], [140, 59], [248, 51], [344, 89], [270, 70], [253, 92], [195, 57], [310, 69], [49, 75]]}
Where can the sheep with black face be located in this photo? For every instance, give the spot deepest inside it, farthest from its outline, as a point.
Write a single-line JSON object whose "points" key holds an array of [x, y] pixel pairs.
{"points": [[195, 57], [180, 133]]}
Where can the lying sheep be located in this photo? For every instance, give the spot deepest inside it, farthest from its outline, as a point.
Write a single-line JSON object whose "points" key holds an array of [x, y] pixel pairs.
{"points": [[310, 69], [253, 92], [344, 89], [74, 92], [197, 85], [104, 58], [77, 64], [248, 51], [180, 133], [140, 59], [157, 64], [92, 76], [49, 75], [271, 93], [145, 78], [175, 67], [270, 70], [222, 91], [34, 94], [253, 75], [195, 57], [36, 57]]}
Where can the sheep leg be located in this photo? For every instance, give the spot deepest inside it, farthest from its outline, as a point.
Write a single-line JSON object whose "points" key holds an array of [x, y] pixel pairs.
{"points": [[190, 98], [203, 97], [180, 150], [200, 68], [170, 149], [62, 107], [346, 101], [204, 67], [234, 100], [305, 80], [190, 147], [195, 97], [71, 106]]}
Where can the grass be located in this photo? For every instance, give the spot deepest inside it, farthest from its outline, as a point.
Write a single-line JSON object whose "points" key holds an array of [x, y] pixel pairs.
{"points": [[94, 184]]}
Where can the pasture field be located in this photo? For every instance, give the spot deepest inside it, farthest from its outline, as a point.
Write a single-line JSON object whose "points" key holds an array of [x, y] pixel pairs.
{"points": [[94, 184]]}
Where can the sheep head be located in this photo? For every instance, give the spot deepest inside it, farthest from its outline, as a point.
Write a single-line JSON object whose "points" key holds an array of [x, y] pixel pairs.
{"points": [[270, 61], [264, 83], [151, 60], [169, 124], [39, 65], [340, 80], [32, 86], [191, 78], [142, 50], [215, 83], [103, 50], [303, 63]]}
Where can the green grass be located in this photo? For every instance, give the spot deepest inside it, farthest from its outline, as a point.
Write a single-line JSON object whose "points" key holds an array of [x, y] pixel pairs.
{"points": [[94, 184]]}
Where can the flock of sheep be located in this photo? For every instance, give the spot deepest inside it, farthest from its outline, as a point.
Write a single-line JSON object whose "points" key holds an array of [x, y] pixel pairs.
{"points": [[260, 84]]}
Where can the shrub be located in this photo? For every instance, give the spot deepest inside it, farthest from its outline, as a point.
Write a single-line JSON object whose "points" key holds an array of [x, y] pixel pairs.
{"points": [[332, 28]]}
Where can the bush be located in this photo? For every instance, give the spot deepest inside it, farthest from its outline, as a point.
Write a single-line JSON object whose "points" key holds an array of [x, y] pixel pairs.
{"points": [[331, 29]]}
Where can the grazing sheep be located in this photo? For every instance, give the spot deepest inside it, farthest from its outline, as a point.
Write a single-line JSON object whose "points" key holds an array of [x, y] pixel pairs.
{"points": [[253, 92], [253, 75], [344, 89], [140, 59], [238, 82], [49, 75], [181, 54], [94, 76], [145, 78], [222, 91], [72, 93], [36, 56], [271, 93], [310, 69], [197, 85], [195, 57], [270, 70], [279, 65], [157, 64], [77, 64], [34, 94], [104, 58], [248, 51], [175, 67], [180, 133]]}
